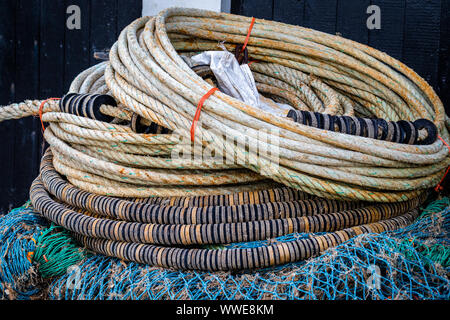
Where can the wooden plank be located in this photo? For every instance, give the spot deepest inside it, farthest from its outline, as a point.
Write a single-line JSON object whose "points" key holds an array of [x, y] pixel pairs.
{"points": [[289, 11], [27, 134], [390, 37], [7, 96], [236, 6], [127, 12], [421, 38], [103, 26], [351, 20], [51, 54], [76, 45], [53, 25], [321, 15], [443, 89], [27, 49], [262, 9]]}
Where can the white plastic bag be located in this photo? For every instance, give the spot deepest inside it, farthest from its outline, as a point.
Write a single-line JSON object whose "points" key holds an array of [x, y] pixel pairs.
{"points": [[236, 80]]}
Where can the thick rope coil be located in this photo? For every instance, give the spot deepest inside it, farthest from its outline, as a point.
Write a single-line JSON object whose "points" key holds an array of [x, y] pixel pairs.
{"points": [[135, 231], [133, 190], [293, 65], [150, 79]]}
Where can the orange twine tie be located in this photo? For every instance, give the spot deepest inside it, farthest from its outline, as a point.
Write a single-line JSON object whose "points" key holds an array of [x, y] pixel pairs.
{"points": [[248, 34], [212, 90], [199, 110], [439, 187], [41, 108]]}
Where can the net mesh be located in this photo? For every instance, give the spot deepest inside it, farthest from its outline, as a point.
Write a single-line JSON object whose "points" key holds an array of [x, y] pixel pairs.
{"points": [[410, 263]]}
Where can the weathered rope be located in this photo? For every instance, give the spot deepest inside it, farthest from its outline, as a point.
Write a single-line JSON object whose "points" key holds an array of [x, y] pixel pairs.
{"points": [[134, 230], [148, 77], [108, 150]]}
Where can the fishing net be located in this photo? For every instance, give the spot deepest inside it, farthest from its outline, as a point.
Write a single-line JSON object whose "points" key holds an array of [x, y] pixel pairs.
{"points": [[41, 260], [19, 278]]}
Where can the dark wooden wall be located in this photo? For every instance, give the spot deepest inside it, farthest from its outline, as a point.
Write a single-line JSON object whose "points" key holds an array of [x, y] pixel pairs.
{"points": [[39, 56], [417, 32]]}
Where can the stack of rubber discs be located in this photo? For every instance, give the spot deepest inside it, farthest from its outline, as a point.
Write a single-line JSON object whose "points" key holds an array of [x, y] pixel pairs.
{"points": [[172, 232], [87, 105], [401, 131]]}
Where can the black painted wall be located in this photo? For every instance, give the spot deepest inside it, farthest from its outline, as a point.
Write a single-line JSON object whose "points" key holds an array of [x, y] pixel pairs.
{"points": [[417, 32], [39, 56]]}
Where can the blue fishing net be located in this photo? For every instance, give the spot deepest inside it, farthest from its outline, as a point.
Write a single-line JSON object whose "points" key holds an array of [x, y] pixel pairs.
{"points": [[19, 278], [410, 263]]}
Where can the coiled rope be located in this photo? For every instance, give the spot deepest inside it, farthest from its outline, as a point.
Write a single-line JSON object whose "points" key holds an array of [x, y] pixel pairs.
{"points": [[147, 75], [136, 231], [172, 201]]}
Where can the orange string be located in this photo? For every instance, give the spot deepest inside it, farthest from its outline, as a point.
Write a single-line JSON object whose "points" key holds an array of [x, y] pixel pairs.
{"points": [[41, 108], [198, 111], [30, 255], [439, 187], [248, 34], [210, 92], [444, 142]]}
